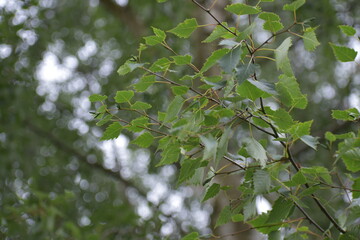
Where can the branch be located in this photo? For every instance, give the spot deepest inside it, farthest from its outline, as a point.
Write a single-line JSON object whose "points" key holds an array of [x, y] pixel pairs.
{"points": [[275, 134]]}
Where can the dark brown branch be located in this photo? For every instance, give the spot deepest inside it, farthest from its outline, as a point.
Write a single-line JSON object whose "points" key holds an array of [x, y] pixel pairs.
{"points": [[177, 84], [310, 219], [217, 20]]}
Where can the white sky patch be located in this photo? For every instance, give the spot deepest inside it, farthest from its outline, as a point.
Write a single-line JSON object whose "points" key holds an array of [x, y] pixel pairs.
{"points": [[78, 124], [327, 91], [173, 204], [355, 44], [144, 211], [106, 68], [84, 221], [122, 3], [50, 69], [113, 148], [140, 166], [157, 193], [28, 36], [167, 229], [260, 34], [2, 3], [354, 100], [262, 205], [88, 50], [5, 50], [12, 5], [21, 16]]}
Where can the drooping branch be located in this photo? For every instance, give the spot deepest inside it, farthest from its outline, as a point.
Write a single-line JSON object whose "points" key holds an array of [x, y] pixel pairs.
{"points": [[275, 134]]}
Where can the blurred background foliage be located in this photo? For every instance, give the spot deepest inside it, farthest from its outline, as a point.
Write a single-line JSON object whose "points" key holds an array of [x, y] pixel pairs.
{"points": [[57, 180]]}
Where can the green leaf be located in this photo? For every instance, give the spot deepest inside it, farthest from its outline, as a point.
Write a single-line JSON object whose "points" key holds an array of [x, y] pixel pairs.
{"points": [[260, 224], [242, 9], [297, 179], [273, 26], [173, 109], [97, 98], [191, 236], [185, 29], [352, 159], [224, 216], [152, 40], [281, 57], [256, 151], [182, 60], [330, 136], [128, 67], [351, 114], [144, 140], [348, 30], [249, 209], [210, 144], [145, 82], [159, 33], [212, 59], [281, 118], [161, 64], [138, 105], [237, 218], [345, 135], [281, 210], [260, 123], [212, 191], [275, 235], [247, 31], [180, 90], [112, 131], [170, 154], [245, 71], [161, 1], [158, 38], [210, 120], [316, 174], [272, 21], [294, 5], [187, 169], [343, 54], [310, 141], [104, 120], [219, 32], [300, 129], [264, 86], [101, 109], [262, 182], [269, 16], [138, 124], [309, 191], [248, 90], [123, 96], [222, 147], [231, 60], [310, 40], [290, 93], [356, 186]]}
